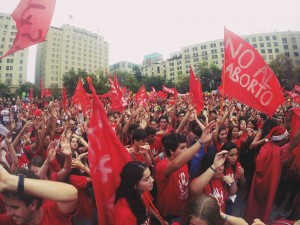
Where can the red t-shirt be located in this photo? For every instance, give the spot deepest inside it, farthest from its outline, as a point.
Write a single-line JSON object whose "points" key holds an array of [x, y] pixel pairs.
{"points": [[173, 191], [51, 215], [156, 147], [123, 213], [85, 203], [216, 188]]}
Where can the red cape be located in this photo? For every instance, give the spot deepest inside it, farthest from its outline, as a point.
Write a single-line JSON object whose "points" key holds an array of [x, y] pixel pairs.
{"points": [[264, 183]]}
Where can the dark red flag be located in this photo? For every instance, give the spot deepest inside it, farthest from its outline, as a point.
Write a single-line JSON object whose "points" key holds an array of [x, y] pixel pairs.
{"points": [[196, 92], [64, 98], [248, 78], [107, 156], [47, 92], [162, 95], [80, 97], [33, 18]]}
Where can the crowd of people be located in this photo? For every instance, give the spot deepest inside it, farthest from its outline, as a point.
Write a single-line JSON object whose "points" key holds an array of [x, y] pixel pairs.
{"points": [[187, 167]]}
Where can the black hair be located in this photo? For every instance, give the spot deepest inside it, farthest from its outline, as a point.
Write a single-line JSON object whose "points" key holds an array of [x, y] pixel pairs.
{"points": [[150, 130], [139, 134], [131, 174], [163, 117], [228, 146], [171, 142]]}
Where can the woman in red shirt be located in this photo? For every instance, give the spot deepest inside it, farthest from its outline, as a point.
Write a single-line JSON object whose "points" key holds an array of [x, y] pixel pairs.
{"points": [[132, 201]]}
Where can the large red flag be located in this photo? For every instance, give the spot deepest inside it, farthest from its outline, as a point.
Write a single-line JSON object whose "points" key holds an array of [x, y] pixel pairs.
{"points": [[64, 97], [33, 18], [196, 92], [248, 78], [107, 156], [80, 97], [141, 96]]}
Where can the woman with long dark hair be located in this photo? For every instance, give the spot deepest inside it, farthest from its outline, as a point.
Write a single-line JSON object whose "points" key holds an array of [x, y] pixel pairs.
{"points": [[132, 203]]}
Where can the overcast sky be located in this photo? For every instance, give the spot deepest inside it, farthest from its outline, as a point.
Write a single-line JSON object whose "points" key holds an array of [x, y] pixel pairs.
{"points": [[134, 28]]}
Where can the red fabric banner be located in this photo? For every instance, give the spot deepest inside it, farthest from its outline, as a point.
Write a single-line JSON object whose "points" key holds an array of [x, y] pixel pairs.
{"points": [[162, 95], [294, 96], [47, 93], [295, 123], [196, 92], [33, 18], [248, 78], [80, 97], [172, 91], [31, 94], [64, 97], [141, 96], [118, 101], [107, 156]]}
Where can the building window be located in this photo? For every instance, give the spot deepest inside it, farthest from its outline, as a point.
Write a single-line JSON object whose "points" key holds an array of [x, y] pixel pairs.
{"points": [[274, 37], [260, 38], [254, 39], [293, 40], [262, 45], [269, 50], [295, 47], [275, 44], [284, 40], [269, 44], [255, 45], [286, 47], [270, 57], [276, 50], [287, 54], [296, 54], [263, 51], [267, 38]]}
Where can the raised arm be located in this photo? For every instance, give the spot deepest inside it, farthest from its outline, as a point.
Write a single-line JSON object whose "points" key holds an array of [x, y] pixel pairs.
{"points": [[64, 194]]}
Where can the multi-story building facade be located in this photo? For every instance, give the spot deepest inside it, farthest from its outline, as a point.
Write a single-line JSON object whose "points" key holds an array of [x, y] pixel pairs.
{"points": [[67, 48], [269, 45], [122, 66], [13, 68], [152, 58]]}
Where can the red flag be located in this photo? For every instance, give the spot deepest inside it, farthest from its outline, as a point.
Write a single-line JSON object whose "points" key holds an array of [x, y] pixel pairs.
{"points": [[80, 97], [42, 88], [33, 18], [162, 95], [107, 156], [294, 96], [64, 98], [294, 128], [141, 96], [31, 94], [248, 78], [297, 88], [47, 92], [172, 91], [196, 92], [117, 99]]}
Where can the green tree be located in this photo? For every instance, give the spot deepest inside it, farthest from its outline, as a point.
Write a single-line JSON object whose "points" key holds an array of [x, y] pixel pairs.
{"points": [[26, 88], [183, 85], [154, 81], [283, 67], [137, 73], [210, 76], [4, 91]]}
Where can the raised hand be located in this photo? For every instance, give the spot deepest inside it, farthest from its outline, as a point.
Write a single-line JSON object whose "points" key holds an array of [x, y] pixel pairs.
{"points": [[207, 133], [220, 159]]}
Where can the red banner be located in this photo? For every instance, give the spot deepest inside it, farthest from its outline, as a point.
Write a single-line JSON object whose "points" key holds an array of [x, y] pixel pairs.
{"points": [[248, 78], [118, 101], [107, 156], [141, 96], [80, 97], [33, 18], [172, 91], [196, 92]]}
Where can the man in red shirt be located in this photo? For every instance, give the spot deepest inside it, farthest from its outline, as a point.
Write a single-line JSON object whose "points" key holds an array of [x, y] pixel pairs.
{"points": [[23, 199], [172, 172]]}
